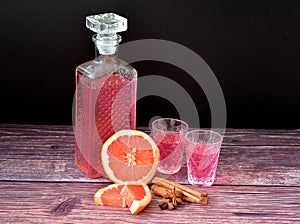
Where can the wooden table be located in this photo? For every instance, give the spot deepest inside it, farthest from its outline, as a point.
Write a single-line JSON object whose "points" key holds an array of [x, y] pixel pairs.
{"points": [[258, 181]]}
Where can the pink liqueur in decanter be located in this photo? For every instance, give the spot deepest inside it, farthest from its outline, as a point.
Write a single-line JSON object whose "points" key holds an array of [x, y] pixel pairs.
{"points": [[105, 94]]}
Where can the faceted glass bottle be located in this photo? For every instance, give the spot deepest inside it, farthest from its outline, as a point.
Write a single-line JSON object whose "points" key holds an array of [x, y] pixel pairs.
{"points": [[105, 94]]}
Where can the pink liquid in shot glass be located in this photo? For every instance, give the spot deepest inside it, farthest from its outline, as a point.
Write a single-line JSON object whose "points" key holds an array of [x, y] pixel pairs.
{"points": [[202, 162], [171, 148]]}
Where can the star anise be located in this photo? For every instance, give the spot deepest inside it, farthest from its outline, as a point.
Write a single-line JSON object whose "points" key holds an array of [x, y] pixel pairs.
{"points": [[165, 204], [175, 197]]}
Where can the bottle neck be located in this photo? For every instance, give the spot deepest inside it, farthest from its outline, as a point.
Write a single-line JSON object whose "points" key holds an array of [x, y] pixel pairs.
{"points": [[101, 54], [107, 44]]}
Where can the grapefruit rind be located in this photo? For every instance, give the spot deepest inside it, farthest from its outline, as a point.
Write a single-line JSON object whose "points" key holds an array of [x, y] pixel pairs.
{"points": [[105, 157], [138, 206]]}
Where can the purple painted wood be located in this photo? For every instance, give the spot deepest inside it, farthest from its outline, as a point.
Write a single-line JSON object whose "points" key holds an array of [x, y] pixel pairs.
{"points": [[258, 180]]}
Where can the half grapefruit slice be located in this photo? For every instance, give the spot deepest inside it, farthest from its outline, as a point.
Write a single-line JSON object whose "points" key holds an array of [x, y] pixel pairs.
{"points": [[130, 157]]}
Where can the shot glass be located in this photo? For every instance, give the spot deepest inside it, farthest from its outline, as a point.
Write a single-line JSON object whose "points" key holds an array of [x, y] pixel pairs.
{"points": [[202, 153], [168, 134]]}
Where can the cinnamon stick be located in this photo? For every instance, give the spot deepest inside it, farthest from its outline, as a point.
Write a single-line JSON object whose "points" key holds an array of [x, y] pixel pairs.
{"points": [[161, 187], [202, 200], [162, 191], [170, 184], [159, 190]]}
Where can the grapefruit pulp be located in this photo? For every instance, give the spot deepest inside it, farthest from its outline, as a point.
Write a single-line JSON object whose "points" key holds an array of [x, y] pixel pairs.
{"points": [[130, 157]]}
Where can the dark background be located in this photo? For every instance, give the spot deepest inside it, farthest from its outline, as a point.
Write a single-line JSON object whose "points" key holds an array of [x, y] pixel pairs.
{"points": [[252, 47]]}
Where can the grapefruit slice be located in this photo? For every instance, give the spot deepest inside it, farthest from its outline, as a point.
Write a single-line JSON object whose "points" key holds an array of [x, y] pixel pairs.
{"points": [[130, 157], [134, 196]]}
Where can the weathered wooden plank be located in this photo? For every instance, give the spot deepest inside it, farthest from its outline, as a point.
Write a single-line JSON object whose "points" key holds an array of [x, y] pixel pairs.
{"points": [[23, 202], [45, 153], [254, 165], [15, 133], [238, 165]]}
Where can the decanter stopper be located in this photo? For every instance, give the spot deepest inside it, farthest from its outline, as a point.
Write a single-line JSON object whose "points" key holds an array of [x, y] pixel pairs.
{"points": [[106, 26]]}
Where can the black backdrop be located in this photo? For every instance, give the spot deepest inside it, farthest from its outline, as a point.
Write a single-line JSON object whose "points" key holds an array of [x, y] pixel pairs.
{"points": [[252, 47]]}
